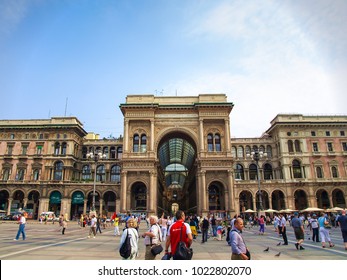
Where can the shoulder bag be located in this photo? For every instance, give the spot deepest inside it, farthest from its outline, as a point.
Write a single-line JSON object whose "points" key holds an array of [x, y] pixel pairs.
{"points": [[182, 251]]}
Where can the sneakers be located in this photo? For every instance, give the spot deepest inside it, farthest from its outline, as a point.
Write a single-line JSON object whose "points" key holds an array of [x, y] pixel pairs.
{"points": [[297, 246], [302, 248], [88, 236], [93, 236], [15, 239]]}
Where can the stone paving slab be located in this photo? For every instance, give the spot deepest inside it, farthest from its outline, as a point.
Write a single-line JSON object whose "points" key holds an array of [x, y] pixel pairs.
{"points": [[45, 242]]}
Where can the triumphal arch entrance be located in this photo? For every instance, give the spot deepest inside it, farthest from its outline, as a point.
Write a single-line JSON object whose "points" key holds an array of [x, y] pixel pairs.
{"points": [[177, 155]]}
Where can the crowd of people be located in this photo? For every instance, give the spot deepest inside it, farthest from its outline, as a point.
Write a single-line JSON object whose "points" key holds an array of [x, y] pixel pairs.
{"points": [[168, 231]]}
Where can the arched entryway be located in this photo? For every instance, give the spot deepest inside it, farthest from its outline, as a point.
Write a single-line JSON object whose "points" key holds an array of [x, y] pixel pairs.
{"points": [[338, 199], [109, 202], [278, 201], [4, 195], [77, 203], [323, 199], [18, 201], [216, 197], [245, 201], [264, 199], [177, 154], [300, 200], [139, 197], [32, 207], [55, 202], [90, 201]]}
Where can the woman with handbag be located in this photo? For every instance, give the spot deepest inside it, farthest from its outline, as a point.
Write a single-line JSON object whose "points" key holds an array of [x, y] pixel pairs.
{"points": [[153, 237], [324, 226]]}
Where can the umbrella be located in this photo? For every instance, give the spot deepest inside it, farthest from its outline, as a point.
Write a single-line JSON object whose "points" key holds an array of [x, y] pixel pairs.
{"points": [[249, 211], [334, 209], [286, 210], [312, 209], [270, 210]]}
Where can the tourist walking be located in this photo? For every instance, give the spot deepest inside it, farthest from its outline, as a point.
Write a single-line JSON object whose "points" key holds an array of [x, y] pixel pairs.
{"points": [[98, 224], [238, 246], [21, 229], [315, 228], [134, 238], [342, 222], [324, 227], [297, 224], [116, 225], [261, 225], [178, 231], [92, 226], [152, 237], [282, 229], [204, 229]]}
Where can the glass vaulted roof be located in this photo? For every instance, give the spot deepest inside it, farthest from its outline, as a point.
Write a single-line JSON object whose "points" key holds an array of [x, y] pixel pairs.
{"points": [[176, 157]]}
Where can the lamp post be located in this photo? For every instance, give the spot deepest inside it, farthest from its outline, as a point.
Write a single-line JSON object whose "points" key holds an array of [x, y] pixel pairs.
{"points": [[96, 157], [256, 155]]}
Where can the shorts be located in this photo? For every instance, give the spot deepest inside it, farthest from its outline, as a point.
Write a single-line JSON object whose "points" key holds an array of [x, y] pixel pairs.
{"points": [[299, 234]]}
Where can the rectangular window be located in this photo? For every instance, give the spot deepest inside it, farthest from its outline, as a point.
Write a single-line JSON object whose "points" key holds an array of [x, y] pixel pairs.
{"points": [[327, 133], [313, 133], [39, 150], [315, 147], [344, 146], [9, 150], [342, 133], [330, 147], [24, 150]]}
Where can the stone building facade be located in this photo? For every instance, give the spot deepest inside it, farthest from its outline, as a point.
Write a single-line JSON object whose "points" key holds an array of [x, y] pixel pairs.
{"points": [[176, 153]]}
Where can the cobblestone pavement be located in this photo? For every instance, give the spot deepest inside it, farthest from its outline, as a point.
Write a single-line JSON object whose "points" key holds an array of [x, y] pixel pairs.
{"points": [[45, 242]]}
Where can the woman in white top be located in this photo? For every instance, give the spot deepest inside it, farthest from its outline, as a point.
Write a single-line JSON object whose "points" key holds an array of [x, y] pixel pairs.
{"points": [[134, 238], [164, 225]]}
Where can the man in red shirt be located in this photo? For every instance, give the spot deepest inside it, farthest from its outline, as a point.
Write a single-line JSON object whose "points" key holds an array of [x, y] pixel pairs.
{"points": [[174, 233]]}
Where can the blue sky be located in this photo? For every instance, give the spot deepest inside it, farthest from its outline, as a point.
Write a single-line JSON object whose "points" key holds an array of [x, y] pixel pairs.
{"points": [[269, 57]]}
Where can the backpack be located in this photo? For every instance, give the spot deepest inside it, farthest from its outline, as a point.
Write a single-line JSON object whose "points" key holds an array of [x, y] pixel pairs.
{"points": [[125, 249]]}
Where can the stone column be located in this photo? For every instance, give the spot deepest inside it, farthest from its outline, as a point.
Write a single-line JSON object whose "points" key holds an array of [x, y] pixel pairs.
{"points": [[123, 192], [85, 206], [254, 203], [203, 191], [231, 191], [126, 135], [101, 202], [25, 202], [201, 135], [152, 135], [43, 205], [227, 135], [153, 192], [9, 204], [270, 202]]}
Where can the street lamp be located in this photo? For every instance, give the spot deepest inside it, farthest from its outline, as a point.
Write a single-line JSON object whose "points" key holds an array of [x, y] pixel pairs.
{"points": [[96, 157], [256, 155]]}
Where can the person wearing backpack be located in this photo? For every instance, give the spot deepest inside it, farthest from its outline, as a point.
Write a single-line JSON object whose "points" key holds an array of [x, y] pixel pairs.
{"points": [[131, 233], [175, 236]]}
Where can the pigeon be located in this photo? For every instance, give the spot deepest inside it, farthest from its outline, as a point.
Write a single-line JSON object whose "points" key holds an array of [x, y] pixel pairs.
{"points": [[279, 244], [267, 249], [277, 255]]}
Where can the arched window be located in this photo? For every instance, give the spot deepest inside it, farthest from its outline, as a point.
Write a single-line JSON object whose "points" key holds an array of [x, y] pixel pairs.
{"points": [[58, 171], [319, 172], [6, 174], [233, 152], [248, 150], [143, 143], [36, 175], [297, 146], [105, 152], [269, 151], [100, 173], [119, 152], [296, 169], [214, 197], [239, 173], [240, 152], [253, 172], [56, 148], [86, 173], [136, 143], [290, 146], [210, 142], [334, 172], [115, 173], [267, 171], [113, 152], [63, 148], [217, 142]]}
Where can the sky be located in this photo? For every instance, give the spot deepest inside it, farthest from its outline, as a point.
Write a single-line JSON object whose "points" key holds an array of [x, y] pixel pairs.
{"points": [[82, 58]]}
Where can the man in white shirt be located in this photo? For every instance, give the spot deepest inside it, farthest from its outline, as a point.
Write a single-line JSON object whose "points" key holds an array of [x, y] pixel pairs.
{"points": [[21, 230], [92, 226]]}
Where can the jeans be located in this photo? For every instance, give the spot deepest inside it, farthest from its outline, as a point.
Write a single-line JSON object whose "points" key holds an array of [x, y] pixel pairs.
{"points": [[204, 235], [21, 230], [315, 236]]}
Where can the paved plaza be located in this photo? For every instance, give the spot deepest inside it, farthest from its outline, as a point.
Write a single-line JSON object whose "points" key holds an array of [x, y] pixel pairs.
{"points": [[45, 242]]}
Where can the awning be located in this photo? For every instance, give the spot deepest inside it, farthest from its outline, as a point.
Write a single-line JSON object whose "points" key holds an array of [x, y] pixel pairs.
{"points": [[55, 198], [77, 198]]}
